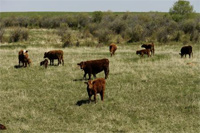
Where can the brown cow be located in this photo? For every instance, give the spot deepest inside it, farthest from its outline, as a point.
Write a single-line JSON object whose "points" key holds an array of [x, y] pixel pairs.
{"points": [[54, 54], [2, 127], [112, 49], [44, 62], [186, 50], [96, 86], [149, 46], [94, 67], [23, 58], [143, 51]]}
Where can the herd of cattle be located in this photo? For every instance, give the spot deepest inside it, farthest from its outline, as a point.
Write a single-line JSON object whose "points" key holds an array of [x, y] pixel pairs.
{"points": [[93, 67]]}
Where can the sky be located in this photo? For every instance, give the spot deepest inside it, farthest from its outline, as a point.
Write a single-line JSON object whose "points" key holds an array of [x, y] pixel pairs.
{"points": [[91, 5]]}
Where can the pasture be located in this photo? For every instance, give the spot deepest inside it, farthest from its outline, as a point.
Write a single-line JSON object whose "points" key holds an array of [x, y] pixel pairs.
{"points": [[157, 94]]}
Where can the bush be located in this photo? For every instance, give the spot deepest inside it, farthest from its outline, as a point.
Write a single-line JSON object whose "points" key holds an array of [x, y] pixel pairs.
{"points": [[18, 34], [188, 26], [2, 31], [162, 35], [103, 35], [135, 33]]}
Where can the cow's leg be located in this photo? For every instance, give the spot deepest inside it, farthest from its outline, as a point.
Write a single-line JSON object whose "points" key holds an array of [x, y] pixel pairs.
{"points": [[52, 61], [84, 76], [94, 75], [89, 97], [95, 95], [102, 95], [89, 75], [62, 61], [106, 71], [59, 62]]}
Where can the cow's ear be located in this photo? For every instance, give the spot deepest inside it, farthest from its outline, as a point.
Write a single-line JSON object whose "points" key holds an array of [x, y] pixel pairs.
{"points": [[79, 64], [86, 82]]}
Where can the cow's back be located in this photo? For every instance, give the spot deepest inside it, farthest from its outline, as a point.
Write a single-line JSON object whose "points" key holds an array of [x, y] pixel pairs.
{"points": [[55, 54], [186, 49], [96, 66], [99, 84]]}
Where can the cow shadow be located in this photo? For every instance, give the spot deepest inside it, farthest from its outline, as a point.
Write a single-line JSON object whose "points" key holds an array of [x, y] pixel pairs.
{"points": [[18, 66], [81, 102]]}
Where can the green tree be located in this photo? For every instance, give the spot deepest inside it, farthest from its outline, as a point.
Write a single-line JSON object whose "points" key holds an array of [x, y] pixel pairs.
{"points": [[181, 9]]}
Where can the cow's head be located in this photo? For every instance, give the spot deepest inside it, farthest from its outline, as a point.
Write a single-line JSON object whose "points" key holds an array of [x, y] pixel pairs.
{"points": [[82, 65], [90, 84], [137, 52], [45, 55]]}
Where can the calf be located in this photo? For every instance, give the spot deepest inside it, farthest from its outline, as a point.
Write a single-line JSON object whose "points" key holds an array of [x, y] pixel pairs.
{"points": [[143, 51], [112, 49], [45, 63], [54, 54], [2, 127], [149, 46], [96, 86], [186, 50], [94, 67], [23, 58]]}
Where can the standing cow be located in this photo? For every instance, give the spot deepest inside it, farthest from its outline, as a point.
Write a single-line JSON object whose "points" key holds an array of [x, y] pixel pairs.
{"points": [[54, 54], [150, 47], [23, 58], [186, 50], [112, 48], [96, 86], [95, 66]]}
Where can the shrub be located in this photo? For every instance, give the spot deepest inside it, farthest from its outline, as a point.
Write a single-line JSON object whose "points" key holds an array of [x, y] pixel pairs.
{"points": [[18, 34], [118, 26], [2, 31], [188, 26], [97, 16], [135, 33], [195, 36], [68, 38], [162, 35], [103, 35]]}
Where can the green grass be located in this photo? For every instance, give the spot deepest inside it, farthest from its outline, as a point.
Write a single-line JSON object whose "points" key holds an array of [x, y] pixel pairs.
{"points": [[157, 94]]}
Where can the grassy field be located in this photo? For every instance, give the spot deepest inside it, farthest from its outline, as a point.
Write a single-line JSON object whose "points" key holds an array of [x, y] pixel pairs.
{"points": [[157, 94]]}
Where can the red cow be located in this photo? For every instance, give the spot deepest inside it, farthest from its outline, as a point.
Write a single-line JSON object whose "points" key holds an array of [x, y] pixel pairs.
{"points": [[54, 54], [94, 67], [96, 86], [112, 49]]}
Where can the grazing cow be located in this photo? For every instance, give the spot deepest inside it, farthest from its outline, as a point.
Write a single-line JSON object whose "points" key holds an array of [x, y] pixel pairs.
{"points": [[112, 48], [2, 127], [94, 67], [186, 50], [54, 54], [44, 62], [96, 86], [149, 46], [143, 51], [23, 58]]}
